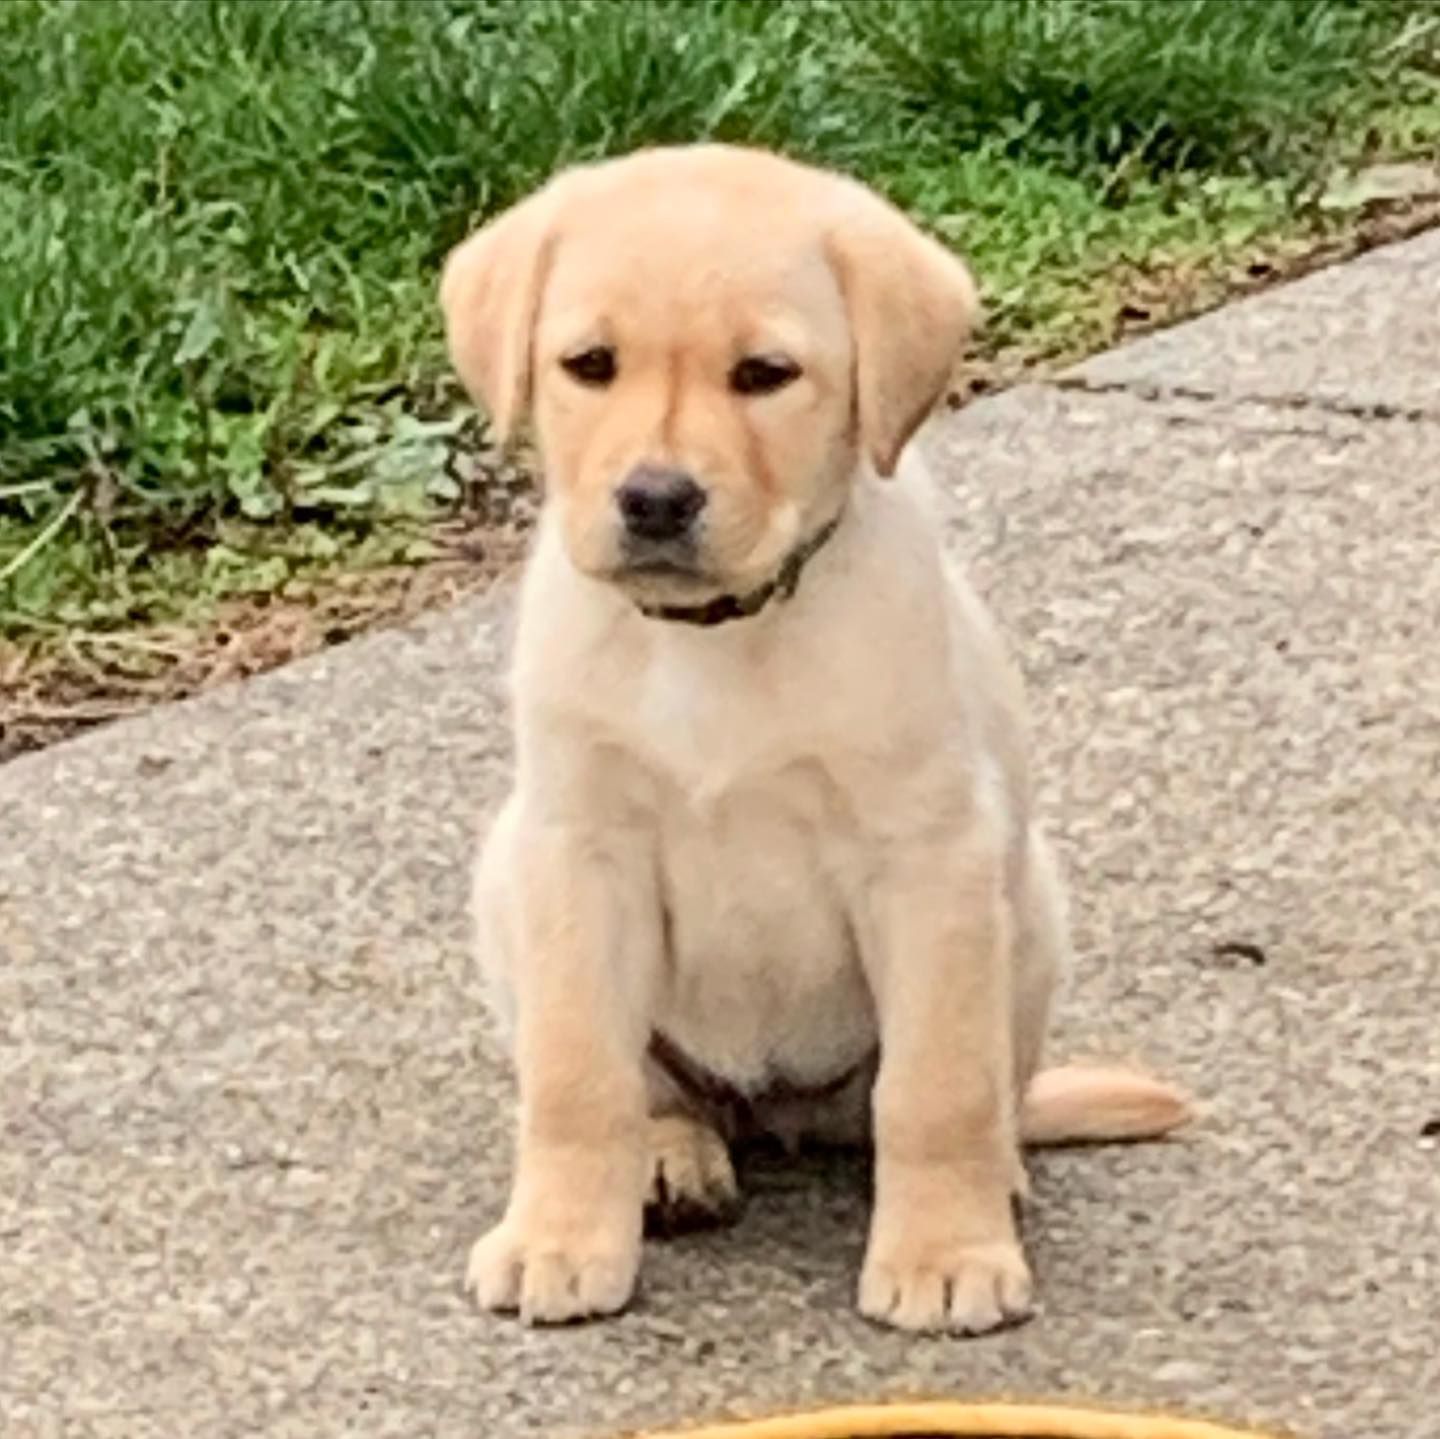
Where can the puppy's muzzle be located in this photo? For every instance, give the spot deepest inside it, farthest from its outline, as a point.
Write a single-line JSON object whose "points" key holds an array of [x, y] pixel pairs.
{"points": [[659, 509]]}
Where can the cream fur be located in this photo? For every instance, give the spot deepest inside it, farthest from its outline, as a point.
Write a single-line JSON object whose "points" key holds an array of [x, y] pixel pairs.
{"points": [[791, 842]]}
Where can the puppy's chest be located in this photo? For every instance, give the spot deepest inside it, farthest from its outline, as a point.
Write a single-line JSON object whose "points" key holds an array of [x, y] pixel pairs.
{"points": [[714, 725], [760, 859], [762, 974], [761, 877], [753, 814]]}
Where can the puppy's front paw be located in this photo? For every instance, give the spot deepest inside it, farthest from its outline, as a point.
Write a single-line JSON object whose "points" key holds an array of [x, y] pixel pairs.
{"points": [[692, 1181], [951, 1287], [552, 1278]]}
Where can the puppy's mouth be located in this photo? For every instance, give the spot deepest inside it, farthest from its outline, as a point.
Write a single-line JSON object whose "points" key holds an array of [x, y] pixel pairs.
{"points": [[672, 569], [661, 569]]}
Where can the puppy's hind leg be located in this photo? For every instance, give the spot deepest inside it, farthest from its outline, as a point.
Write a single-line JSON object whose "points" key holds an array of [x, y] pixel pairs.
{"points": [[1042, 954], [692, 1182], [493, 920], [1072, 1103]]}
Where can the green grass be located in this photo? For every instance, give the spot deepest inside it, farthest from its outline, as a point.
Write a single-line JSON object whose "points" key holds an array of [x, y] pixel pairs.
{"points": [[221, 220]]}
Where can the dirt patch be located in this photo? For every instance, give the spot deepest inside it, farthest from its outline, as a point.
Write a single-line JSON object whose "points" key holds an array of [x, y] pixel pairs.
{"points": [[1132, 300], [57, 687], [54, 688], [93, 678], [1154, 297]]}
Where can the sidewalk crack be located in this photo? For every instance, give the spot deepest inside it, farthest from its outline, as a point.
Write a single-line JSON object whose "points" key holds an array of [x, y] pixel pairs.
{"points": [[1313, 404]]}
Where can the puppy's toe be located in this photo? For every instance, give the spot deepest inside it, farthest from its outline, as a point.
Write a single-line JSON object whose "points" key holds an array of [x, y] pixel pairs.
{"points": [[961, 1289], [989, 1290], [550, 1280], [496, 1269], [561, 1287], [692, 1181]]}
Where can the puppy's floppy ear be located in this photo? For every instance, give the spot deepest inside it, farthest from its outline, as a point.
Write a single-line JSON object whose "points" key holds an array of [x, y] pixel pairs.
{"points": [[912, 304], [490, 294]]}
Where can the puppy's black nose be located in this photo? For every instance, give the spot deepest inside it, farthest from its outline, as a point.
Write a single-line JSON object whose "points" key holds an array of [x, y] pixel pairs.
{"points": [[658, 504]]}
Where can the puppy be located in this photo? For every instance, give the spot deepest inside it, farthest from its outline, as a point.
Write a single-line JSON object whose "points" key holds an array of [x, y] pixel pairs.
{"points": [[769, 862]]}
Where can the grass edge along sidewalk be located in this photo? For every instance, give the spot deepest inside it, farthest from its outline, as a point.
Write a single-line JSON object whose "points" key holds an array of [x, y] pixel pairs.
{"points": [[256, 449]]}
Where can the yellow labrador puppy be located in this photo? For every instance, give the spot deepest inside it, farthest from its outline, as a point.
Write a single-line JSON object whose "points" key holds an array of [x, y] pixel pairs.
{"points": [[769, 863]]}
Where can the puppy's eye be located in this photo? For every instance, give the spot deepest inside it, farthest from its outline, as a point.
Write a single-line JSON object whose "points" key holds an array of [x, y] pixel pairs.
{"points": [[595, 366], [762, 374]]}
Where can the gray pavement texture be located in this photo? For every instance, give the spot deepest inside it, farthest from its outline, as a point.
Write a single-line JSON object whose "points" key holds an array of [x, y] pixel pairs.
{"points": [[253, 1117]]}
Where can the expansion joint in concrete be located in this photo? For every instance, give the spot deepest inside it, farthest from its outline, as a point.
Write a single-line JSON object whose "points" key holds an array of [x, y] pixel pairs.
{"points": [[1293, 402]]}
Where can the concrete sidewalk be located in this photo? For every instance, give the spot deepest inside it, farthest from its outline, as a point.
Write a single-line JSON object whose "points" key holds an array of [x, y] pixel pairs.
{"points": [[252, 1118]]}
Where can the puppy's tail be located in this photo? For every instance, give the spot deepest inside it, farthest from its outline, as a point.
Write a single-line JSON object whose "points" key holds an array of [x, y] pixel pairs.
{"points": [[1093, 1104]]}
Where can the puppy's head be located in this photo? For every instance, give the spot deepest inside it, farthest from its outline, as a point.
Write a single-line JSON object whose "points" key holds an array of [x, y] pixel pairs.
{"points": [[709, 340]]}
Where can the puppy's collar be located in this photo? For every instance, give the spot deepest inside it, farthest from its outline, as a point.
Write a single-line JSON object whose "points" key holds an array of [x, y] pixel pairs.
{"points": [[724, 608]]}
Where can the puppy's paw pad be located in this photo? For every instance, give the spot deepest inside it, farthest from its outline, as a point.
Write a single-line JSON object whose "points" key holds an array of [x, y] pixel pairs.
{"points": [[965, 1289], [547, 1282], [692, 1181]]}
